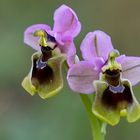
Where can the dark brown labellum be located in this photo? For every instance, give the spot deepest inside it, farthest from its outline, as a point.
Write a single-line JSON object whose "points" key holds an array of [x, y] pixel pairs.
{"points": [[112, 97], [41, 73]]}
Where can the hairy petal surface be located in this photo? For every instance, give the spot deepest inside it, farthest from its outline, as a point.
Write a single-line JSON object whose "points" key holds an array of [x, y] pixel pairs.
{"points": [[96, 44], [81, 75], [29, 37], [66, 22], [130, 68]]}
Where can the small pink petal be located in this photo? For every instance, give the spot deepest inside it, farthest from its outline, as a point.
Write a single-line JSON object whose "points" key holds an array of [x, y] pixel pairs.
{"points": [[81, 76], [71, 54], [29, 37], [130, 68], [96, 44], [63, 40], [66, 22]]}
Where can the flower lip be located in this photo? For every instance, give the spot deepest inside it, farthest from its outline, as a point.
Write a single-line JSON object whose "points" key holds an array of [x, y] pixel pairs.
{"points": [[45, 80], [113, 102], [117, 99], [42, 74]]}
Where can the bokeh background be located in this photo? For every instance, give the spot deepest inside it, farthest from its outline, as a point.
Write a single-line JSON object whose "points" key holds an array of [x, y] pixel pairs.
{"points": [[62, 117]]}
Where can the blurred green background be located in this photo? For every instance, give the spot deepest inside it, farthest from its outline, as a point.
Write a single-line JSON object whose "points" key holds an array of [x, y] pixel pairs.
{"points": [[63, 117]]}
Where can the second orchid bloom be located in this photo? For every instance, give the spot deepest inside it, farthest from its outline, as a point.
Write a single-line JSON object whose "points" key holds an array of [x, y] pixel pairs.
{"points": [[108, 74]]}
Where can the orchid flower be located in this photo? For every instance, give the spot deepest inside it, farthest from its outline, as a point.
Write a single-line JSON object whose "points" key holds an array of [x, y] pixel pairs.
{"points": [[53, 48], [108, 74]]}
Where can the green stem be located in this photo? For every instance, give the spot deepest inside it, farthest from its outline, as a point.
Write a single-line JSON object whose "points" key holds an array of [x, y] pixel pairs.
{"points": [[95, 124]]}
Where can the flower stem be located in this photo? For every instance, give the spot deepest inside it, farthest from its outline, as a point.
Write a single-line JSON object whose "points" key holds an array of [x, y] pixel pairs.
{"points": [[95, 123]]}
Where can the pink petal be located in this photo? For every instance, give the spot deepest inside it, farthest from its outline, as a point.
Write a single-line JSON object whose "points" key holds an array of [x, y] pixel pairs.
{"points": [[70, 52], [96, 44], [66, 22], [81, 76], [29, 37], [63, 40], [130, 68]]}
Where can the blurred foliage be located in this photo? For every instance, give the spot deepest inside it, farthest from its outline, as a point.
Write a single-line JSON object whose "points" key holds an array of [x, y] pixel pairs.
{"points": [[63, 117]]}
